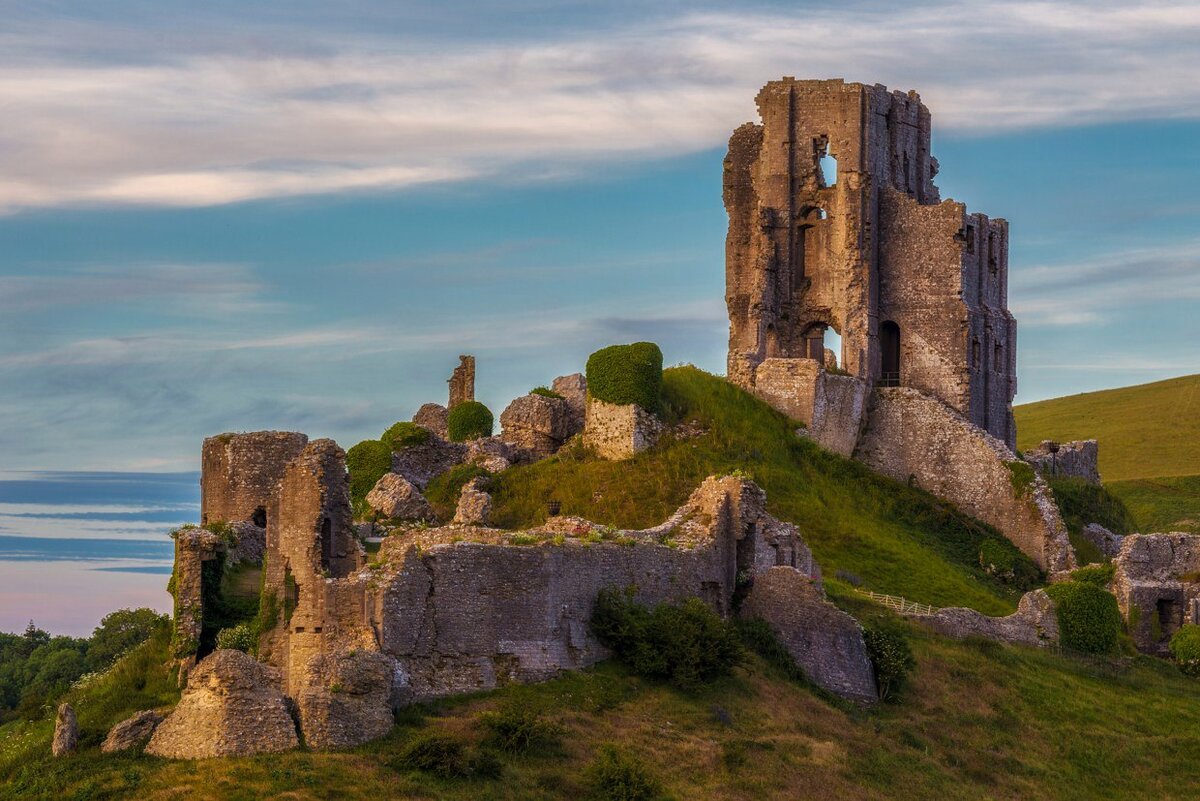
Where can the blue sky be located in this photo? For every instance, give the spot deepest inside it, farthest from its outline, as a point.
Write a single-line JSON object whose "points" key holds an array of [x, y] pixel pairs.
{"points": [[296, 215]]}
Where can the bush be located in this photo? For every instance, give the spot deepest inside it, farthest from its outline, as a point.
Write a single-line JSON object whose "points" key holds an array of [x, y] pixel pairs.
{"points": [[1185, 647], [469, 420], [892, 658], [1100, 575], [516, 728], [616, 776], [687, 645], [1088, 618], [406, 435], [241, 637], [545, 392], [624, 374], [368, 461], [120, 631], [446, 756], [995, 559]]}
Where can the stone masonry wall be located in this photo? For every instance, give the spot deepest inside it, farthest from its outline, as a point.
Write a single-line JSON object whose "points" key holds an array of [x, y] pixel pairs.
{"points": [[239, 472], [913, 437], [619, 432], [462, 382], [831, 406], [1157, 584], [1079, 459]]}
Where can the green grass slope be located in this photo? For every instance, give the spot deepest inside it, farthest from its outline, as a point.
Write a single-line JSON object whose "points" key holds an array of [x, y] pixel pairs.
{"points": [[1161, 504], [978, 720], [1146, 431], [894, 538]]}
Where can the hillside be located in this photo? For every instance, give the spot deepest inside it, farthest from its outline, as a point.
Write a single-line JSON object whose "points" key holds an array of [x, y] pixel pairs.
{"points": [[1145, 431]]}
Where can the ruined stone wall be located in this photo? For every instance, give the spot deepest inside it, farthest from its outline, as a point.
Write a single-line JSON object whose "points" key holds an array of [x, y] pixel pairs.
{"points": [[619, 431], [1034, 623], [1079, 459], [915, 438], [831, 406], [462, 382], [239, 472], [1157, 584]]}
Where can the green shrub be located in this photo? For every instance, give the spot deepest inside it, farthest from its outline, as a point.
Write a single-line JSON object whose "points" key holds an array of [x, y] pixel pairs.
{"points": [[891, 657], [1185, 647], [624, 374], [1021, 475], [687, 645], [545, 392], [241, 637], [995, 559], [1088, 618], [616, 776], [1100, 575], [469, 420], [517, 728], [446, 756], [405, 435], [1082, 502], [368, 461]]}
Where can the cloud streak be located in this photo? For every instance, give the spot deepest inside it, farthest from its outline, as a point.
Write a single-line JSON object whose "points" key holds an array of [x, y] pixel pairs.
{"points": [[283, 112]]}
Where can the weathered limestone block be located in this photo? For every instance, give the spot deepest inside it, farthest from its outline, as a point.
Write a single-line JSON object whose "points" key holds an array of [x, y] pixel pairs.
{"points": [[831, 360], [832, 407], [619, 432], [462, 381], [1108, 542], [433, 416], [248, 545], [1157, 584], [915, 438], [493, 454], [395, 497], [825, 642], [346, 699], [66, 731], [1080, 459], [474, 505], [231, 707], [132, 732], [420, 464], [538, 424], [239, 473], [573, 388], [1034, 623]]}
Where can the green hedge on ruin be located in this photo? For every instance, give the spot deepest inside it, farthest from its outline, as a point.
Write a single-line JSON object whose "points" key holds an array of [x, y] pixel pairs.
{"points": [[469, 420], [624, 374]]}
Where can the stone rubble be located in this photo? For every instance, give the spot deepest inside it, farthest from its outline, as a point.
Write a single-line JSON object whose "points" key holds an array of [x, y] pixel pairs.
{"points": [[394, 497], [474, 505], [66, 731]]}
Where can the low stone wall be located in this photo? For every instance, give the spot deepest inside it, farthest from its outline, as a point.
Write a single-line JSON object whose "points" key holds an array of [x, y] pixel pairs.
{"points": [[915, 438], [1080, 459], [619, 432], [1034, 623], [1157, 584]]}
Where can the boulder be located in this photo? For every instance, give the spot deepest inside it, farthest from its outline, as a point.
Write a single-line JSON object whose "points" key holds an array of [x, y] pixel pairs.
{"points": [[422, 463], [132, 732], [492, 454], [346, 699], [231, 706], [573, 388], [66, 731], [394, 496], [474, 505], [433, 416], [538, 423], [825, 641], [1034, 623]]}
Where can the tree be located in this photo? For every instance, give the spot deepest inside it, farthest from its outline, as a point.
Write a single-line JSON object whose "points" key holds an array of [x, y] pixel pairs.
{"points": [[118, 632]]}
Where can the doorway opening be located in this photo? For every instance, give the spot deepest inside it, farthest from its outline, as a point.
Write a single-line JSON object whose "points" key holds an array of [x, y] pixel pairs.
{"points": [[889, 345]]}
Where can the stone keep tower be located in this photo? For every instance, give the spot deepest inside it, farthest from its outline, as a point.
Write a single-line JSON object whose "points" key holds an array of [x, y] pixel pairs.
{"points": [[916, 287]]}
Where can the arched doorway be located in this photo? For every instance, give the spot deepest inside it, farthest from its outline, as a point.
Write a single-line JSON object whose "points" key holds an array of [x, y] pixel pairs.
{"points": [[889, 344]]}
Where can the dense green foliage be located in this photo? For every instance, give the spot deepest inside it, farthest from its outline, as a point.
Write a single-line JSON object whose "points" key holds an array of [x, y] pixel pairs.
{"points": [[405, 435], [545, 392], [890, 656], [448, 757], [686, 644], [624, 374], [367, 462], [1185, 647], [615, 775], [469, 420], [1082, 502], [118, 632], [895, 538], [1100, 574], [518, 728], [242, 637], [1089, 620]]}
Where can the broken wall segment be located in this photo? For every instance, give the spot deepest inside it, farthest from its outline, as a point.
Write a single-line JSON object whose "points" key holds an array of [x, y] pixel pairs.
{"points": [[539, 424], [239, 473], [1034, 623], [193, 547], [916, 439], [434, 417], [1080, 459], [462, 382], [1157, 584], [832, 407], [619, 432]]}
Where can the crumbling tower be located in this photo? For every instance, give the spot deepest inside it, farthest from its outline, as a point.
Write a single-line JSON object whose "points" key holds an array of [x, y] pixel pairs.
{"points": [[835, 222]]}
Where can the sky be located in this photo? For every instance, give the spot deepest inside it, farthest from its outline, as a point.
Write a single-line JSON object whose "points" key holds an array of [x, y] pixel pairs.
{"points": [[239, 216]]}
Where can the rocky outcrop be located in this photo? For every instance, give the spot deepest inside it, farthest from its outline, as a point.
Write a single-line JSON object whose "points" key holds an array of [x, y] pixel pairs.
{"points": [[1034, 623], [538, 424], [394, 497], [619, 432], [66, 731], [231, 706], [493, 454], [132, 732], [1156, 580], [1080, 459], [474, 505], [346, 699], [573, 388], [917, 439], [1108, 542], [823, 640], [433, 416], [420, 464]]}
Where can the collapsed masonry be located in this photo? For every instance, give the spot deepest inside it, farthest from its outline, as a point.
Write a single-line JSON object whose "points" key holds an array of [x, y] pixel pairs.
{"points": [[1079, 459], [1157, 584], [835, 224]]}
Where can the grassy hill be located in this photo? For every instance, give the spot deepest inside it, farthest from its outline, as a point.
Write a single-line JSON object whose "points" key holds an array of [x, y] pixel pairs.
{"points": [[1146, 431]]}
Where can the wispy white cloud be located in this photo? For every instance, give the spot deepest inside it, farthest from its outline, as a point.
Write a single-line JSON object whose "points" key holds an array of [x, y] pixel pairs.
{"points": [[309, 111]]}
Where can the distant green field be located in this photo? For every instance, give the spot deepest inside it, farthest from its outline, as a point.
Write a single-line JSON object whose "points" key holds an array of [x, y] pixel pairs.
{"points": [[1146, 431], [1162, 504]]}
